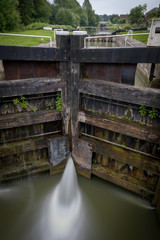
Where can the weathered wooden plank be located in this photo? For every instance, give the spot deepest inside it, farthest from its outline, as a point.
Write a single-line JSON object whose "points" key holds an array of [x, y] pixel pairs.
{"points": [[135, 95], [33, 53], [75, 71], [122, 180], [21, 171], [66, 94], [157, 193], [121, 126], [111, 72], [29, 69], [82, 154], [117, 55], [25, 145], [125, 155], [29, 86], [29, 118]]}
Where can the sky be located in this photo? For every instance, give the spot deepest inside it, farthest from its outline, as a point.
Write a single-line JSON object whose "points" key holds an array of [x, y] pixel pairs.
{"points": [[119, 6]]}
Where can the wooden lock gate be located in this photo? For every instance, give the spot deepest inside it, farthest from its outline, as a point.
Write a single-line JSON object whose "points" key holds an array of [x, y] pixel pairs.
{"points": [[81, 100]]}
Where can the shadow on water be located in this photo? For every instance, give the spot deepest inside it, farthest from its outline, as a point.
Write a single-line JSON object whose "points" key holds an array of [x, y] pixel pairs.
{"points": [[60, 208]]}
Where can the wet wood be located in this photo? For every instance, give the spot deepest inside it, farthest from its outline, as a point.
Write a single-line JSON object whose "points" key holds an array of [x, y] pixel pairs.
{"points": [[120, 126], [122, 180], [135, 95], [9, 174], [29, 86], [125, 155], [29, 118], [33, 53], [30, 69], [118, 55], [25, 145], [75, 71], [82, 154], [156, 198]]}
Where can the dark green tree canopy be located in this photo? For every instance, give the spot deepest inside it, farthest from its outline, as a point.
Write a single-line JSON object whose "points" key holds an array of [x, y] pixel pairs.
{"points": [[136, 14], [9, 15]]}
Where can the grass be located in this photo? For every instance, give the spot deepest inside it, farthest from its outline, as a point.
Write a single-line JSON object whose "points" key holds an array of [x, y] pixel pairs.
{"points": [[27, 41], [142, 38]]}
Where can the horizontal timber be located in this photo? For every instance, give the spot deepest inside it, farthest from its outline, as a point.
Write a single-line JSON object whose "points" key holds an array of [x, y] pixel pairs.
{"points": [[121, 92], [29, 118], [7, 174], [122, 180], [120, 126], [33, 53], [125, 155], [117, 55], [31, 144], [29, 86]]}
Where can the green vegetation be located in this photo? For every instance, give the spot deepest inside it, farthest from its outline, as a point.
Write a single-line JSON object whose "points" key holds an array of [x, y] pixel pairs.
{"points": [[142, 38], [143, 110], [153, 113], [22, 101], [48, 105], [27, 41], [35, 109], [59, 102], [94, 161], [17, 14]]}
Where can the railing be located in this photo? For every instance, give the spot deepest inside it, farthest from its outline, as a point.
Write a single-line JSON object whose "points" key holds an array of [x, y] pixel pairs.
{"points": [[113, 36], [22, 35]]}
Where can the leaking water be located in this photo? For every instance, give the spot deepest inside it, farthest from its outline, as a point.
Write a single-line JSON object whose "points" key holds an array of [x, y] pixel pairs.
{"points": [[59, 208]]}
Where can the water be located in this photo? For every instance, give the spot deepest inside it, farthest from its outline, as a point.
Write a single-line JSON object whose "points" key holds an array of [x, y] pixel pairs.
{"points": [[46, 208]]}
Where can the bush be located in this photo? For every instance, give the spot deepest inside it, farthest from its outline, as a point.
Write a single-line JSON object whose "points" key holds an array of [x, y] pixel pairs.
{"points": [[39, 25], [127, 26]]}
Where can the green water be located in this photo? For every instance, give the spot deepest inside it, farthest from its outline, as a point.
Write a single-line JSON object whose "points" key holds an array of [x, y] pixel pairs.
{"points": [[107, 211]]}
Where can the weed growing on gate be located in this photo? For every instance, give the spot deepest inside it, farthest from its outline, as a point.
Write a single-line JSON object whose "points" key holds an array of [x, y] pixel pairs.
{"points": [[59, 102], [22, 101]]}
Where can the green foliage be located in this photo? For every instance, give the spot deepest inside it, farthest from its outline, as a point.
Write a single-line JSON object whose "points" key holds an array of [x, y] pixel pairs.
{"points": [[136, 14], [142, 123], [59, 102], [6, 106], [15, 101], [67, 17], [27, 11], [94, 161], [22, 101], [9, 15], [34, 109], [153, 113], [143, 110], [118, 139], [158, 148], [48, 105]]}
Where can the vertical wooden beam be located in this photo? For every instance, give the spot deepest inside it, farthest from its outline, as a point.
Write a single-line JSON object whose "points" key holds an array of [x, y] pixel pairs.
{"points": [[63, 42], [77, 42]]}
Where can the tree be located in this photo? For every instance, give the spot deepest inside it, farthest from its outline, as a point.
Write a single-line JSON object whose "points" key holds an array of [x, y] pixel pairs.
{"points": [[65, 16], [92, 17], [9, 16], [83, 19], [43, 10], [27, 11], [86, 4], [137, 14]]}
